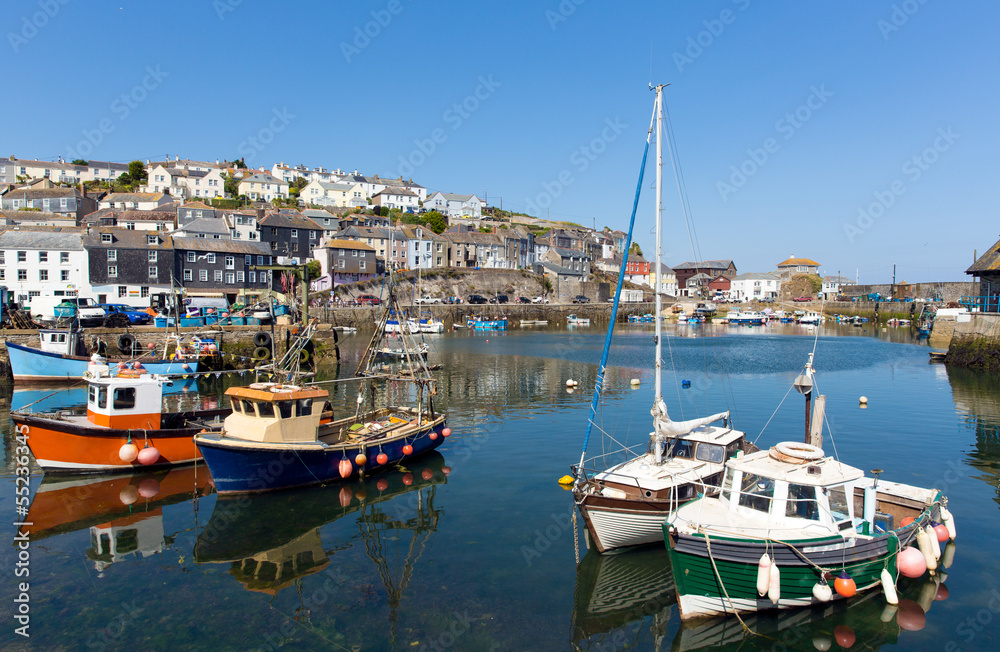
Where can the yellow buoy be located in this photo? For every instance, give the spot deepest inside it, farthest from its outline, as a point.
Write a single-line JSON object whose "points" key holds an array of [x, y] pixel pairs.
{"points": [[635, 381], [567, 479], [863, 400]]}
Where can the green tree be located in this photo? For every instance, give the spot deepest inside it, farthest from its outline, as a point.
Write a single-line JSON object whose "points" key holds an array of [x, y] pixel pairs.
{"points": [[78, 161], [231, 185], [315, 269], [137, 171], [635, 249]]}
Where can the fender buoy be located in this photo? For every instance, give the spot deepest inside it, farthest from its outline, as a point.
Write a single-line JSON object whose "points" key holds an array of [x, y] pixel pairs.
{"points": [[303, 356], [790, 451], [125, 343], [262, 353], [261, 338]]}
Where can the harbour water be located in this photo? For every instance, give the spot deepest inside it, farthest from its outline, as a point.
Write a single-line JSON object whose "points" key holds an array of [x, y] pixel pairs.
{"points": [[477, 547]]}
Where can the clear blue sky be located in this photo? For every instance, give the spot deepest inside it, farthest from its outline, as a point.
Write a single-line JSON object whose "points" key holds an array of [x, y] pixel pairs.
{"points": [[546, 104]]}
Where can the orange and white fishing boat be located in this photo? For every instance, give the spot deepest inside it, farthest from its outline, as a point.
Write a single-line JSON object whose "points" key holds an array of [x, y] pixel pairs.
{"points": [[125, 427]]}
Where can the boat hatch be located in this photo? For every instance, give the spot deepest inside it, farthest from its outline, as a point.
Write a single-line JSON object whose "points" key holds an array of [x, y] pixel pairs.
{"points": [[125, 403]]}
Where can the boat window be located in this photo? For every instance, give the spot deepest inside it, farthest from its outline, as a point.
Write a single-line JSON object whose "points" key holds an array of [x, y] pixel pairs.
{"points": [[727, 485], [757, 492], [710, 453], [285, 408], [124, 398], [92, 395], [305, 407], [802, 502], [839, 509], [680, 448], [265, 410], [102, 397]]}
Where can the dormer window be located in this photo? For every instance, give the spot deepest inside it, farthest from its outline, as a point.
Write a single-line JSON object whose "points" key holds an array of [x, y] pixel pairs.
{"points": [[152, 240], [105, 237]]}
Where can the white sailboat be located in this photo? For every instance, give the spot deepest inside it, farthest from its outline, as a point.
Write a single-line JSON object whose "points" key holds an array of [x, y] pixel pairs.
{"points": [[626, 504]]}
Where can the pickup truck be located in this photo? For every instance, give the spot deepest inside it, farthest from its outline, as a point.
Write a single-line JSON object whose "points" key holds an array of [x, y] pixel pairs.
{"points": [[426, 300]]}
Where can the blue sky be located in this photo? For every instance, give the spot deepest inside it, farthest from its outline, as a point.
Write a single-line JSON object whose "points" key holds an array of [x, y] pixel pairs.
{"points": [[858, 134]]}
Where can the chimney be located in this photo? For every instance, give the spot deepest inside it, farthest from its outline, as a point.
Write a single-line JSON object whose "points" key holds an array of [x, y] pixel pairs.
{"points": [[177, 158]]}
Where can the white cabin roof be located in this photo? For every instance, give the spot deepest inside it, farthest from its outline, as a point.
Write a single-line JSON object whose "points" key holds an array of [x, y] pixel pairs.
{"points": [[823, 472], [712, 435]]}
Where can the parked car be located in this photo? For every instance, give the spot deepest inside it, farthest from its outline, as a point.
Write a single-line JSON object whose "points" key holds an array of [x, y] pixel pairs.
{"points": [[426, 300], [500, 298], [523, 300], [83, 308], [368, 300], [802, 299], [453, 299], [539, 299], [134, 316], [580, 299], [477, 298]]}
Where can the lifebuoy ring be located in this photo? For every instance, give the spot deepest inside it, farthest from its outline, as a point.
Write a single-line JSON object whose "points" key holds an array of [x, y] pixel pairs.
{"points": [[262, 353], [261, 338], [125, 343], [796, 451], [303, 356]]}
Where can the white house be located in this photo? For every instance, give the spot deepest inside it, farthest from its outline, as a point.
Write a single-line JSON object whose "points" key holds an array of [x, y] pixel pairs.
{"points": [[141, 201], [261, 186], [324, 193], [452, 205], [185, 182], [832, 286], [44, 262], [746, 287], [394, 197], [290, 173], [12, 170]]}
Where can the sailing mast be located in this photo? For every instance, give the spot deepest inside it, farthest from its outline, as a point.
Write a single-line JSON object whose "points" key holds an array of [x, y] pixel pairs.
{"points": [[658, 393]]}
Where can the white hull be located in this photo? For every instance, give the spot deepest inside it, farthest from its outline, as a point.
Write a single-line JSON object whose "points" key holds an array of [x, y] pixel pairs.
{"points": [[432, 327], [699, 606], [621, 528]]}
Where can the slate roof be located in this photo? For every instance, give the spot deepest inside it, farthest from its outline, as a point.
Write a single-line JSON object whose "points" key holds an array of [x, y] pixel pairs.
{"points": [[758, 276], [705, 264], [296, 221], [988, 262], [123, 238], [207, 225], [133, 196], [221, 246], [58, 238], [42, 193], [347, 244]]}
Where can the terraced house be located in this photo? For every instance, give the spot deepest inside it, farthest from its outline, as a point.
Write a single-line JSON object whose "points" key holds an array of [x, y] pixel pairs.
{"points": [[129, 266], [345, 261], [64, 201], [222, 268], [43, 261], [290, 235]]}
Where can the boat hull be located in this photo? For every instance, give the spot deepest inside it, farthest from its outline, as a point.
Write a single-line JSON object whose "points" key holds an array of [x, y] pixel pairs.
{"points": [[240, 466], [623, 524], [700, 594], [488, 325], [64, 446], [29, 364]]}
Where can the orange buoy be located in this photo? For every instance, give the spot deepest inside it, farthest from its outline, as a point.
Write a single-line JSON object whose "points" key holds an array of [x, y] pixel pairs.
{"points": [[433, 436], [941, 530], [906, 521], [426, 474], [148, 455], [446, 432], [407, 479], [361, 494], [446, 470], [128, 452], [407, 450], [361, 459], [346, 468], [382, 458], [844, 585], [382, 484]]}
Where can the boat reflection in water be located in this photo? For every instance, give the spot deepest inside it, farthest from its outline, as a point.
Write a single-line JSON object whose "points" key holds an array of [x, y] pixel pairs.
{"points": [[272, 540], [625, 601], [124, 512]]}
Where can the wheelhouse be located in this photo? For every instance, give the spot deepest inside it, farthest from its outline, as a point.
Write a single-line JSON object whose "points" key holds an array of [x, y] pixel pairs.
{"points": [[269, 412]]}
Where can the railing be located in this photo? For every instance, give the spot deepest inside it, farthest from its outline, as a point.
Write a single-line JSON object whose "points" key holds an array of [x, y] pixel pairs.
{"points": [[982, 303]]}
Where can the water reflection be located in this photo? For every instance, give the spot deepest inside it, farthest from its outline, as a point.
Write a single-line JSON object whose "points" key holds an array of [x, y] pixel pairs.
{"points": [[977, 397]]}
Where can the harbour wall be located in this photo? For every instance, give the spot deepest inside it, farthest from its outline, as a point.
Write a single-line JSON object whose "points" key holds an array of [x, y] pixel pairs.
{"points": [[945, 291]]}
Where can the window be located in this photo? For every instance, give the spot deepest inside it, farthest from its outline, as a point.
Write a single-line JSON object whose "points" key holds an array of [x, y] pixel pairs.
{"points": [[152, 240], [343, 264], [112, 254], [247, 259], [22, 275], [2, 258], [112, 271], [3, 274], [22, 256], [188, 275], [203, 275], [43, 275], [839, 508], [757, 492], [711, 453], [63, 258], [354, 252], [64, 275], [265, 410], [253, 277], [230, 262], [343, 252], [217, 276], [295, 233], [43, 256], [312, 235], [152, 272], [285, 409], [34, 293], [211, 258], [801, 502], [362, 264], [230, 278], [122, 291], [144, 291], [124, 398], [260, 260], [240, 277], [105, 237], [130, 226], [190, 256], [151, 256]]}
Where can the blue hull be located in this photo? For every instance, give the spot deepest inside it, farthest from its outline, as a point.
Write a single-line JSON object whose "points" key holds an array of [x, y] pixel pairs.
{"points": [[241, 468], [491, 325], [28, 364]]}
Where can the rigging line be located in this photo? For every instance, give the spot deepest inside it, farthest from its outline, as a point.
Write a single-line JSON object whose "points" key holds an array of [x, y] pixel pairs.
{"points": [[618, 291], [681, 186], [829, 429], [774, 413]]}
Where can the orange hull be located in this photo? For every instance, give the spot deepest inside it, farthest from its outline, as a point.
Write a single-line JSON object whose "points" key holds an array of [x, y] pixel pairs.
{"points": [[64, 446], [66, 505]]}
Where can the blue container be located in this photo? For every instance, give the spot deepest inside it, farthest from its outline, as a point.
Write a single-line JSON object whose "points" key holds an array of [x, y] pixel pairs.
{"points": [[160, 322], [237, 321], [211, 319], [281, 309], [252, 321], [192, 321]]}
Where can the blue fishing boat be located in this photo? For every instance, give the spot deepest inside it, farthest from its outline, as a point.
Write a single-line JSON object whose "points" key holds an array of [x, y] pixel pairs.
{"points": [[63, 357], [485, 324], [280, 435]]}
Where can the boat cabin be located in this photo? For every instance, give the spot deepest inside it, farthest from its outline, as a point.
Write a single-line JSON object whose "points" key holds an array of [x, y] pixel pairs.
{"points": [[816, 493], [62, 342], [132, 399], [270, 412]]}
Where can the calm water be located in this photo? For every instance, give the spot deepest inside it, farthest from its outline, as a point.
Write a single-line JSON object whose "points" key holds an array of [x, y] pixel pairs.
{"points": [[476, 548]]}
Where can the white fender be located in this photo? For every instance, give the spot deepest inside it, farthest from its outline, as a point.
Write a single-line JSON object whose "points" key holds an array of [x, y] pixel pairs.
{"points": [[889, 586], [948, 555], [924, 544], [763, 574], [822, 591], [935, 544], [774, 585], [949, 522]]}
